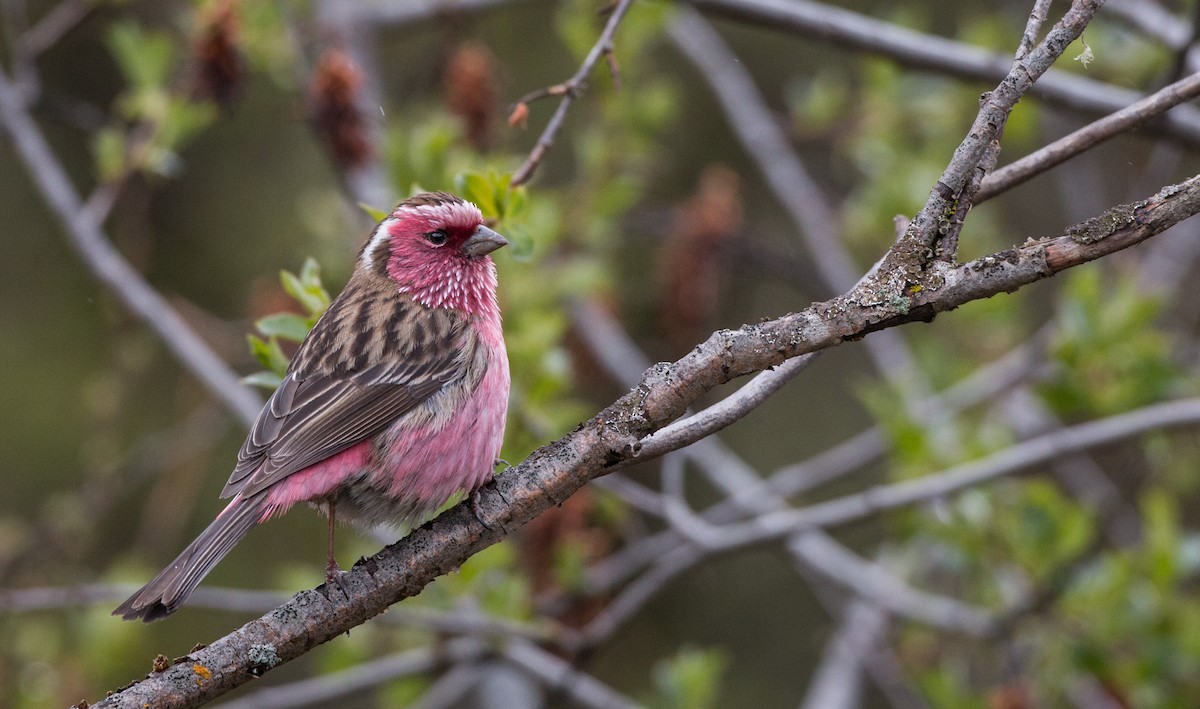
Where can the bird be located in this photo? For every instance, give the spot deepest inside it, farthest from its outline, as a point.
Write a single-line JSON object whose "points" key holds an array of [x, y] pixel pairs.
{"points": [[394, 403]]}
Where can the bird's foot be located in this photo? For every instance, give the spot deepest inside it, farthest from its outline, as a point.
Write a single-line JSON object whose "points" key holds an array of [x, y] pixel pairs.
{"points": [[334, 578], [475, 510], [502, 462]]}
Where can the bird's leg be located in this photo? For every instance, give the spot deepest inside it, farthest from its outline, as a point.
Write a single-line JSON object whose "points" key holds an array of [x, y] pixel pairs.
{"points": [[333, 572]]}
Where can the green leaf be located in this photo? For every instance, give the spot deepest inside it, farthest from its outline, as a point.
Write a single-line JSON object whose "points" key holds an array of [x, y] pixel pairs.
{"points": [[376, 214], [145, 58], [517, 199], [267, 380], [477, 188], [108, 149], [691, 679], [288, 326], [268, 353], [312, 297], [520, 243], [310, 273]]}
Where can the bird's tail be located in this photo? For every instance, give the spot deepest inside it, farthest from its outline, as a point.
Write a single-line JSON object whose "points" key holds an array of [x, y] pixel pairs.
{"points": [[167, 591]]}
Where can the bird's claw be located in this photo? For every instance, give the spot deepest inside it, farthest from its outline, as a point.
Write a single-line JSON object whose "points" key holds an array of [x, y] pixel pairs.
{"points": [[334, 576], [475, 510]]}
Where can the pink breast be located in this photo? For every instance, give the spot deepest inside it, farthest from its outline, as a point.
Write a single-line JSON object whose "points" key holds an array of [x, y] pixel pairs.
{"points": [[430, 466]]}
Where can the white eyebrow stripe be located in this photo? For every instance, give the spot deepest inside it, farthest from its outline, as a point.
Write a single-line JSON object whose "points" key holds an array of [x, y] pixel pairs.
{"points": [[379, 236], [453, 213]]}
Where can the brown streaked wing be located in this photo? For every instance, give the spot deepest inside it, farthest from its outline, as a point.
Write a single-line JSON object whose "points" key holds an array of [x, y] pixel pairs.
{"points": [[338, 394]]}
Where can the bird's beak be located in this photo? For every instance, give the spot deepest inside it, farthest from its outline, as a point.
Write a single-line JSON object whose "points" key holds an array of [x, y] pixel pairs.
{"points": [[484, 241]]}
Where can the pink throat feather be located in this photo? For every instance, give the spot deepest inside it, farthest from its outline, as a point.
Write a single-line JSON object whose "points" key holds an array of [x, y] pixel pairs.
{"points": [[465, 284]]}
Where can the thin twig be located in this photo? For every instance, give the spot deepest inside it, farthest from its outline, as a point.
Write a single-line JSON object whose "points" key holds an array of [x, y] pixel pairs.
{"points": [[622, 360], [855, 453], [1033, 26], [570, 90]]}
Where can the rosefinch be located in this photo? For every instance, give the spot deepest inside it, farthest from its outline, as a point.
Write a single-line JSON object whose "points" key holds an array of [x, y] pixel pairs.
{"points": [[393, 404]]}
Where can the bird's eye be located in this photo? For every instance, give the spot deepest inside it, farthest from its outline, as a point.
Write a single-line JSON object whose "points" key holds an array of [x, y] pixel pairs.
{"points": [[437, 238]]}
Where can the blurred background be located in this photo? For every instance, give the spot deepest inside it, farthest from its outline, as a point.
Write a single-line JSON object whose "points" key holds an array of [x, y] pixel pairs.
{"points": [[723, 167]]}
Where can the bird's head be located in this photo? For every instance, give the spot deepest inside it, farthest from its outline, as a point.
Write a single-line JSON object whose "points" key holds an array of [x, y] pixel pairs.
{"points": [[435, 247]]}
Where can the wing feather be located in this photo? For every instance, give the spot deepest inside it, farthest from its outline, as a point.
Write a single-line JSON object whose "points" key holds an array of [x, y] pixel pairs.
{"points": [[336, 395]]}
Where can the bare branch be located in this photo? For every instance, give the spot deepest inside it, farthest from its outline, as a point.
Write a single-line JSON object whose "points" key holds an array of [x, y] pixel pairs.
{"points": [[54, 25], [994, 109], [1151, 18], [111, 269], [757, 130], [1033, 26], [570, 90], [560, 676], [1090, 135], [925, 51], [812, 548], [836, 683], [1009, 461], [873, 583], [237, 600], [326, 688]]}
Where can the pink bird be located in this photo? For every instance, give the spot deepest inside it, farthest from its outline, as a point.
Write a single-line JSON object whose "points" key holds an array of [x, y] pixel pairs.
{"points": [[394, 403]]}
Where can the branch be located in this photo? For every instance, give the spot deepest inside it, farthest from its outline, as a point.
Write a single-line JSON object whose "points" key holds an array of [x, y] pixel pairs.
{"points": [[873, 583], [111, 269], [325, 689], [562, 677], [1090, 135], [1037, 16], [956, 181], [852, 30], [756, 128], [835, 684], [569, 90], [448, 622], [54, 25], [1151, 18], [1022, 456], [555, 471], [812, 548]]}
